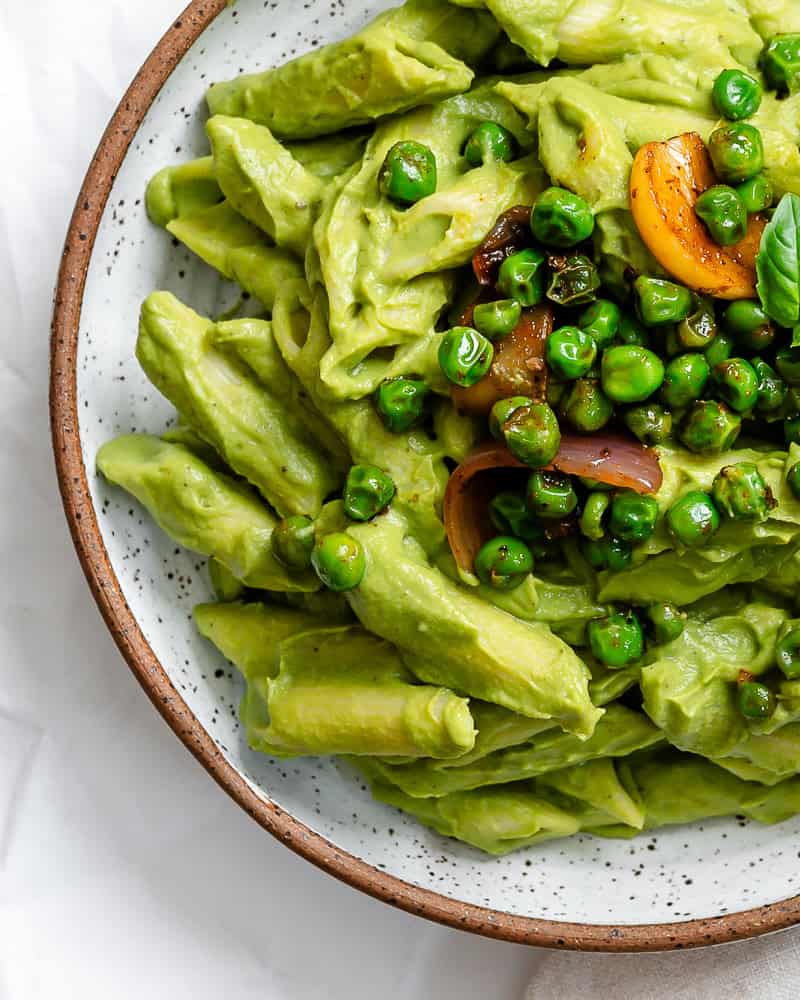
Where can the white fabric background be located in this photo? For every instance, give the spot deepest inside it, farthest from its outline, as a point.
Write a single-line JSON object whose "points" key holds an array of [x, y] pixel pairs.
{"points": [[124, 871]]}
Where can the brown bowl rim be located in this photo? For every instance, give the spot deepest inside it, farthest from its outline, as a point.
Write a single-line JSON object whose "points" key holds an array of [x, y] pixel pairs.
{"points": [[128, 636]]}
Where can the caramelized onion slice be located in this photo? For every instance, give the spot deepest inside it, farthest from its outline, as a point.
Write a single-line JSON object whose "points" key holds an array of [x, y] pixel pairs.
{"points": [[609, 458], [518, 368], [511, 233]]}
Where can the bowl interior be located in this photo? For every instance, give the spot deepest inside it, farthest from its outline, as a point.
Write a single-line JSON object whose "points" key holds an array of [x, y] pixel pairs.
{"points": [[700, 871]]}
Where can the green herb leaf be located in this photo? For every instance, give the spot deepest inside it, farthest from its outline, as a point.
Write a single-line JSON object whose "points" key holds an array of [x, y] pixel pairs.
{"points": [[778, 263]]}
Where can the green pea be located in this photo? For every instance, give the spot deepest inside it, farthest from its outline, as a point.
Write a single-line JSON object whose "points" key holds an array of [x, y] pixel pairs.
{"points": [[408, 173], [367, 491], [503, 563], [698, 330], [532, 434], [551, 495], [787, 361], [693, 520], [292, 542], [601, 321], [570, 352], [651, 423], [502, 411], [684, 380], [787, 649], [561, 219], [509, 514], [633, 516], [791, 429], [755, 700], [749, 324], [710, 427], [793, 479], [737, 152], [523, 276], [616, 640], [780, 63], [400, 403], [771, 389], [632, 332], [594, 510], [757, 194], [667, 622], [630, 374], [660, 301], [736, 95], [496, 320], [722, 212], [490, 143], [586, 407], [555, 391], [720, 349], [465, 355], [576, 283], [739, 491], [339, 561], [610, 554], [736, 383]]}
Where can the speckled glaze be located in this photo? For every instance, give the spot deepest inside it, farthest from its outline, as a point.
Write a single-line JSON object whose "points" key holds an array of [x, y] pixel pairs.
{"points": [[697, 885]]}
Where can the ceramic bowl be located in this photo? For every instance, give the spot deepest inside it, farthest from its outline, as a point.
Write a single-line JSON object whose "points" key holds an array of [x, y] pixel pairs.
{"points": [[693, 885]]}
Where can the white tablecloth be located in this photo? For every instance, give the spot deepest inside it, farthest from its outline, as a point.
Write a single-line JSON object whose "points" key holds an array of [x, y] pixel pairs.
{"points": [[124, 871]]}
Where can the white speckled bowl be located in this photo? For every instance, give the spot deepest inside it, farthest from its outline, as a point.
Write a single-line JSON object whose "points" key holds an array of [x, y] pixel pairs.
{"points": [[695, 885]]}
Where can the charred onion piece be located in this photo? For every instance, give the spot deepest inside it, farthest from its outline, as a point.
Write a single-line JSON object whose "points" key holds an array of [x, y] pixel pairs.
{"points": [[510, 234], [609, 458], [518, 368]]}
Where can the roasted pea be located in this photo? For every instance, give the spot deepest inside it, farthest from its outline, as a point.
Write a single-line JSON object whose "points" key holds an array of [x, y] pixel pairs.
{"points": [[660, 301], [720, 349], [749, 324], [401, 403], [771, 389], [490, 143], [292, 542], [576, 283], [755, 700], [608, 554], [339, 561], [632, 332], [651, 423], [736, 383], [601, 321], [594, 509], [523, 277], [616, 640], [684, 380], [532, 434], [757, 194], [787, 649], [793, 479], [561, 219], [787, 361], [585, 406], [503, 563], [780, 63], [367, 491], [633, 516], [697, 331], [739, 492], [667, 622], [496, 320], [693, 520], [736, 95], [465, 355], [737, 152], [502, 411], [710, 427], [509, 514], [791, 429], [408, 173], [570, 352], [723, 213], [551, 495], [630, 374]]}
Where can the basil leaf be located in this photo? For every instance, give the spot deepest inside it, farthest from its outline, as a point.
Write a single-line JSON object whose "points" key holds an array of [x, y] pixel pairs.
{"points": [[778, 263]]}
